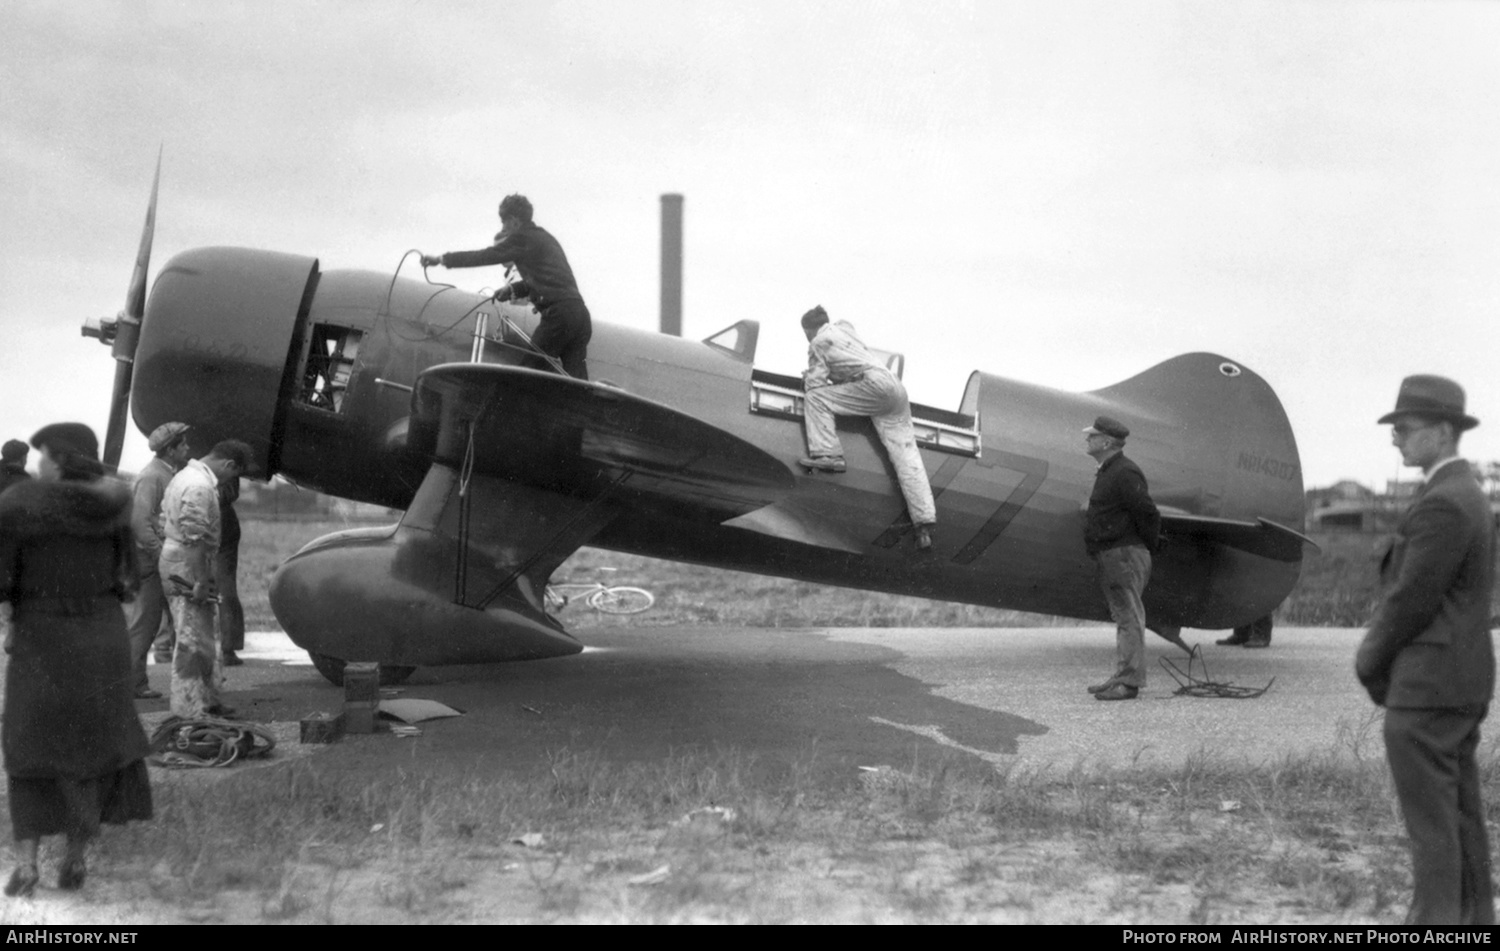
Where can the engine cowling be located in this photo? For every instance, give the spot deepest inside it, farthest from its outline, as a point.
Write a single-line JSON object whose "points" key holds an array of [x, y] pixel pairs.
{"points": [[218, 344]]}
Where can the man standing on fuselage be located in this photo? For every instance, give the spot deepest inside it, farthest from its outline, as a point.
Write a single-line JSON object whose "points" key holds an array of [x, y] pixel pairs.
{"points": [[546, 278], [843, 377]]}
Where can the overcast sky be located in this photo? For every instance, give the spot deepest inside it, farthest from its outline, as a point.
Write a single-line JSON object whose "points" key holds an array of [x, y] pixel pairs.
{"points": [[1065, 193]]}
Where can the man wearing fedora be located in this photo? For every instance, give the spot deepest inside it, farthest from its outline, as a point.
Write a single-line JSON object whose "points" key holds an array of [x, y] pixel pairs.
{"points": [[1120, 531], [1427, 657]]}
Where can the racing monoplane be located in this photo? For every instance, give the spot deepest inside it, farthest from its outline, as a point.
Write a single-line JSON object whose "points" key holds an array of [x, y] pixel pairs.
{"points": [[410, 394]]}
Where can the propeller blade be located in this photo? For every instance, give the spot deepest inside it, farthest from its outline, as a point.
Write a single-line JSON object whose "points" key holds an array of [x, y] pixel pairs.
{"points": [[128, 333], [119, 408]]}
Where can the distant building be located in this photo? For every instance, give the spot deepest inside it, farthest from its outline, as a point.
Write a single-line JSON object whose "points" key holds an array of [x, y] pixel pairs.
{"points": [[1348, 506], [1344, 506], [1343, 517]]}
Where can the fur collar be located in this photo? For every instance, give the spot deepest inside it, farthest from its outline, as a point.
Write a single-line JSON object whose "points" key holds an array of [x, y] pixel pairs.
{"points": [[90, 509]]}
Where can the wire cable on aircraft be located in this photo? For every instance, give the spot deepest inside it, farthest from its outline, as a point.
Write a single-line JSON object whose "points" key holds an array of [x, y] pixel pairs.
{"points": [[390, 289], [489, 296], [417, 319]]}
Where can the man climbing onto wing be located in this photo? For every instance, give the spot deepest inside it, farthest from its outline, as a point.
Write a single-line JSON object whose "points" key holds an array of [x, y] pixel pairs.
{"points": [[843, 377], [546, 279]]}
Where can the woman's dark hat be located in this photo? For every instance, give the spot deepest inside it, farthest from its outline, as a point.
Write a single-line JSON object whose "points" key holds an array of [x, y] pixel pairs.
{"points": [[1107, 426], [1435, 396], [67, 438]]}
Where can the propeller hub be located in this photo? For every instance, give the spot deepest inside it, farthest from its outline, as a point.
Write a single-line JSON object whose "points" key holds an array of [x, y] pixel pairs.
{"points": [[102, 329]]}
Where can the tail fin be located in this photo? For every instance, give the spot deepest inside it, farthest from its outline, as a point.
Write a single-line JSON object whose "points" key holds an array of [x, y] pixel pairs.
{"points": [[1213, 424], [1218, 450]]}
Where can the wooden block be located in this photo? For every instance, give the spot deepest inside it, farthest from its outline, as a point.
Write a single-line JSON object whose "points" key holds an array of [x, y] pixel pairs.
{"points": [[362, 682], [359, 717]]}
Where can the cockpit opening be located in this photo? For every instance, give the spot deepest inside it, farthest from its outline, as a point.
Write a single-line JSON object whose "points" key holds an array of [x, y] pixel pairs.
{"points": [[780, 395], [331, 353]]}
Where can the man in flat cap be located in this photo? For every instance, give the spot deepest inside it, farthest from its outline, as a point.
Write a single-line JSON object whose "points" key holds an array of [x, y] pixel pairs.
{"points": [[13, 463], [844, 377], [1427, 657], [1121, 530], [144, 615]]}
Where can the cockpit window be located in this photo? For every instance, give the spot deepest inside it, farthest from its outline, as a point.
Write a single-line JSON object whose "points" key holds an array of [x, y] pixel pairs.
{"points": [[330, 362], [738, 340]]}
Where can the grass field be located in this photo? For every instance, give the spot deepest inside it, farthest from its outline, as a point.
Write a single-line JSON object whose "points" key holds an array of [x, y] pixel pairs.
{"points": [[705, 838], [1337, 589]]}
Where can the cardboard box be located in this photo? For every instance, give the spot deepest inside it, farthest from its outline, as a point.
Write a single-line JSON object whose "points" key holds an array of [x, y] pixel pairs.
{"points": [[322, 727]]}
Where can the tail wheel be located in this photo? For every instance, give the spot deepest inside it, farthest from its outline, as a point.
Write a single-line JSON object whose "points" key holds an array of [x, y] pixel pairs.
{"points": [[332, 668], [621, 600]]}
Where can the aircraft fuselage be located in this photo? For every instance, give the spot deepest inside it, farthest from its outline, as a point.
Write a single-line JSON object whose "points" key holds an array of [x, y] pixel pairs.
{"points": [[317, 371]]}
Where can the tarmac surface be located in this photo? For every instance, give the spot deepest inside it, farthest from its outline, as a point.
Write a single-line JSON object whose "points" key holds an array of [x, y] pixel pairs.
{"points": [[826, 701]]}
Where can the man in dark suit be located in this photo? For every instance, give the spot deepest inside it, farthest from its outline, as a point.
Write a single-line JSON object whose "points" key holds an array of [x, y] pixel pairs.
{"points": [[1428, 659]]}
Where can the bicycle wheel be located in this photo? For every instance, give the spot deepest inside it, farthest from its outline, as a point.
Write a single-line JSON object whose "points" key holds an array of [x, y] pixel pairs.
{"points": [[621, 600]]}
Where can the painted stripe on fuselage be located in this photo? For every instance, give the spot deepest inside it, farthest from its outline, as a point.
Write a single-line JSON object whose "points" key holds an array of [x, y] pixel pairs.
{"points": [[939, 481], [1034, 472]]}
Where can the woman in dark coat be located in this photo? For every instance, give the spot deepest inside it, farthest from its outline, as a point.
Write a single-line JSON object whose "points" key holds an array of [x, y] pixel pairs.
{"points": [[74, 747]]}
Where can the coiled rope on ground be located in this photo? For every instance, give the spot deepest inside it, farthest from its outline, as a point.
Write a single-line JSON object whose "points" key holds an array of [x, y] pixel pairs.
{"points": [[181, 743]]}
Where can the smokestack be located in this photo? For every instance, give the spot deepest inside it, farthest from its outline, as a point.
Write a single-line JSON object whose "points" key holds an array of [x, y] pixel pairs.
{"points": [[671, 265]]}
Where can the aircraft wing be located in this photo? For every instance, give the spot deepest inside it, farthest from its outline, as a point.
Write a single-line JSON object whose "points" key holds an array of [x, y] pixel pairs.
{"points": [[1261, 537], [541, 428]]}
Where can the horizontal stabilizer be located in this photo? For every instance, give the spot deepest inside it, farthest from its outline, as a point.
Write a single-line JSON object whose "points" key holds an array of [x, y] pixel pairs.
{"points": [[1261, 537], [541, 428]]}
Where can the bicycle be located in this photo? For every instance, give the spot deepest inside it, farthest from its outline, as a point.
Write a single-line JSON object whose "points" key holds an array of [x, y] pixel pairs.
{"points": [[608, 599]]}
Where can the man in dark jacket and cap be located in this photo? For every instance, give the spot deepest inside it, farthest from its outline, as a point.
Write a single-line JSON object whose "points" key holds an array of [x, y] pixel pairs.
{"points": [[1428, 658], [1121, 530], [546, 278], [13, 463]]}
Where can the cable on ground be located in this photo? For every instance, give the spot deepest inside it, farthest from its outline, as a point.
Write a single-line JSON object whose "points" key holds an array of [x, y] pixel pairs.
{"points": [[1190, 684]]}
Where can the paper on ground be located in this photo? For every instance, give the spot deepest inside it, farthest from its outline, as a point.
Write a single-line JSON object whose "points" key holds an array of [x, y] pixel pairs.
{"points": [[413, 710]]}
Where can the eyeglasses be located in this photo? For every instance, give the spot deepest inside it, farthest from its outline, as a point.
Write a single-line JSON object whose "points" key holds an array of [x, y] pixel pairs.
{"points": [[1402, 430]]}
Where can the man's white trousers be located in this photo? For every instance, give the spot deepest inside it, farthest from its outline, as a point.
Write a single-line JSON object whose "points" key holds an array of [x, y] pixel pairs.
{"points": [[880, 396]]}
